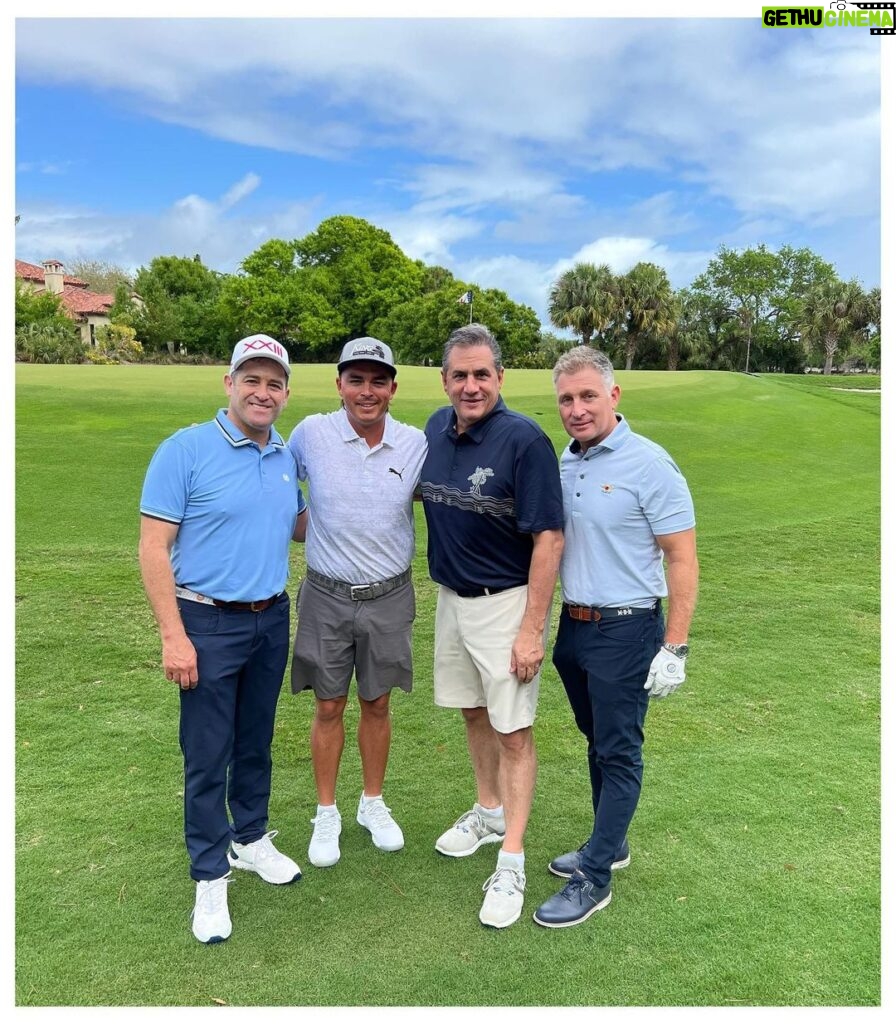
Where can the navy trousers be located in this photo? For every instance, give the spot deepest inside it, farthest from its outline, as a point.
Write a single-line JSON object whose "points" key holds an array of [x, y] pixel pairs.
{"points": [[227, 727], [603, 666]]}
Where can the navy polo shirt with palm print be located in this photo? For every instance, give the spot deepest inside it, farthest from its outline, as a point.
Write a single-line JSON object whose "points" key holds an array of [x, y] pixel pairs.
{"points": [[485, 492]]}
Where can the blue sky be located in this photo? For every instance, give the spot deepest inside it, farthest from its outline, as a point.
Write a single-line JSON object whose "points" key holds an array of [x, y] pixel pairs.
{"points": [[504, 149]]}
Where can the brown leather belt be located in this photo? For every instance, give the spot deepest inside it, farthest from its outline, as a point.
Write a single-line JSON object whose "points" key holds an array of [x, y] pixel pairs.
{"points": [[230, 606], [586, 613]]}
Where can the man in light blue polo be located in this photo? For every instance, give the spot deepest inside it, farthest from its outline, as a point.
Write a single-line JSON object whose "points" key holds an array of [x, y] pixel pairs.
{"points": [[627, 508], [220, 504], [356, 606]]}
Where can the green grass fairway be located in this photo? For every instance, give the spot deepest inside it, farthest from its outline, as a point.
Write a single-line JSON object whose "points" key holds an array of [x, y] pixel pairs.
{"points": [[755, 874]]}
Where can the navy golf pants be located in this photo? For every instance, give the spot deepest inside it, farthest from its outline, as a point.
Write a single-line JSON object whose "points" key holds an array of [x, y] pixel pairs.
{"points": [[603, 666], [227, 726]]}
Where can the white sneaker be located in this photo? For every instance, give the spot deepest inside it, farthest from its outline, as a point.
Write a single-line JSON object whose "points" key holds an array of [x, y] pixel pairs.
{"points": [[211, 918], [265, 860], [375, 817], [469, 832], [323, 850], [503, 901]]}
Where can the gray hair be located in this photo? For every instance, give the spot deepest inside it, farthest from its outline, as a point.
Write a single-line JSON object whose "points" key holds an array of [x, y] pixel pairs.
{"points": [[584, 357], [468, 337]]}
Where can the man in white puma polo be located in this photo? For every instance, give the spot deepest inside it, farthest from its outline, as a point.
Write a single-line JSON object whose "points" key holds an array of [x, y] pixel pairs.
{"points": [[356, 605]]}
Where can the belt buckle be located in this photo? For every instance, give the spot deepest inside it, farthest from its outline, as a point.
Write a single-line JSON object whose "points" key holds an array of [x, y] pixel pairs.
{"points": [[358, 586], [255, 606], [584, 613]]}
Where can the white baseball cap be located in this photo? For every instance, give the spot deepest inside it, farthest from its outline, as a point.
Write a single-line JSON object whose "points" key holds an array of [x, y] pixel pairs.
{"points": [[259, 346], [367, 350]]}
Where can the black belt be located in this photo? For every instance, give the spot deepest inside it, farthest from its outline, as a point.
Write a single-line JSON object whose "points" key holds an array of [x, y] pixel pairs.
{"points": [[486, 591], [359, 591], [588, 613], [230, 606]]}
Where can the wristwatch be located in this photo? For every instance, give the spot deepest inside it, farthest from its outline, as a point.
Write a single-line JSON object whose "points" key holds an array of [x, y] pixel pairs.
{"points": [[679, 650]]}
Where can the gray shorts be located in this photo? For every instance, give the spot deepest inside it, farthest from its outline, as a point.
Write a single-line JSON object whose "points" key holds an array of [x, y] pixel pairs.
{"points": [[337, 637]]}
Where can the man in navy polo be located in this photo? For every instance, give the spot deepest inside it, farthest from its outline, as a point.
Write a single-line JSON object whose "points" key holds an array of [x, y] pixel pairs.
{"points": [[220, 504], [491, 494], [627, 509]]}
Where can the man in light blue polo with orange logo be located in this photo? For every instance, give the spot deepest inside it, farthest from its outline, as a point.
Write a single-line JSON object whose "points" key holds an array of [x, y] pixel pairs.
{"points": [[219, 507], [627, 509]]}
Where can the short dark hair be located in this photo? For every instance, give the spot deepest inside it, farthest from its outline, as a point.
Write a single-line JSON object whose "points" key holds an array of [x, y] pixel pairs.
{"points": [[468, 337]]}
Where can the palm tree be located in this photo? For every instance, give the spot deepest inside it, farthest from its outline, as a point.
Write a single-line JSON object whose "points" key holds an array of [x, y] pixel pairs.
{"points": [[688, 335], [832, 315], [649, 305], [586, 299], [874, 325]]}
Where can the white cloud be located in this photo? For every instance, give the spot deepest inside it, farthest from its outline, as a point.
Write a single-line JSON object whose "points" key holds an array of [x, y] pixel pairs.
{"points": [[529, 281], [50, 167], [504, 96], [621, 254], [240, 190], [506, 181], [526, 281], [495, 143], [192, 224], [425, 236]]}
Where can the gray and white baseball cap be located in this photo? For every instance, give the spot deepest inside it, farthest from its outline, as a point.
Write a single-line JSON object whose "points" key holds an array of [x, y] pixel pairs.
{"points": [[367, 350]]}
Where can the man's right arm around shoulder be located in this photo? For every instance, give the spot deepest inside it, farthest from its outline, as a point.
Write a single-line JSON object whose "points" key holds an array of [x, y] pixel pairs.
{"points": [[178, 654]]}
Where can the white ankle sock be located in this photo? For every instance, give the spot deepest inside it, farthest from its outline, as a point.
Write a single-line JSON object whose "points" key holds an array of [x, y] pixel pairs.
{"points": [[517, 861]]}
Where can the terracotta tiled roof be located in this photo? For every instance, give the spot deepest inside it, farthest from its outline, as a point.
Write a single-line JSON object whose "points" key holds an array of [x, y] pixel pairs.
{"points": [[77, 302], [31, 272]]}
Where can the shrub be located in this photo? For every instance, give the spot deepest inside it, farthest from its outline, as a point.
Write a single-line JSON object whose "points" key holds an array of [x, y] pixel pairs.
{"points": [[116, 343], [49, 342]]}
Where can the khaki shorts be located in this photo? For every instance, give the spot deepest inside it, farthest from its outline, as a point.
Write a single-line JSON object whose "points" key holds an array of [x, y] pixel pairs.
{"points": [[474, 638], [337, 637]]}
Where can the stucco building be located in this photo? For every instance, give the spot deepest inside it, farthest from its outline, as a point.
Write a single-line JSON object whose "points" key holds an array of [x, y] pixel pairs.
{"points": [[88, 309]]}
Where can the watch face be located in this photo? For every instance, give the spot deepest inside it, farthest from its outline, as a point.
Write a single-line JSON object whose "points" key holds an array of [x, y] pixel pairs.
{"points": [[680, 650]]}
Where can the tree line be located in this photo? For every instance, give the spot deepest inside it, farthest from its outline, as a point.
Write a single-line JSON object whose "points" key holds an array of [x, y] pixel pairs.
{"points": [[756, 309]]}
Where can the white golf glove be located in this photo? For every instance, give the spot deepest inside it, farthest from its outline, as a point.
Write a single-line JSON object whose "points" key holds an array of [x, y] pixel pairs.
{"points": [[666, 673]]}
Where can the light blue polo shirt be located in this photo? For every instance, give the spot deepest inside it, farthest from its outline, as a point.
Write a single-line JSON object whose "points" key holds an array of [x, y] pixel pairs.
{"points": [[235, 504], [617, 499]]}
